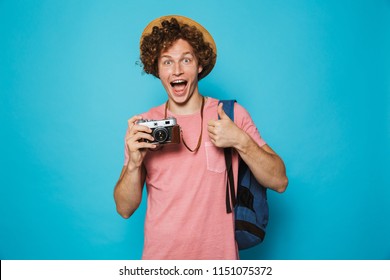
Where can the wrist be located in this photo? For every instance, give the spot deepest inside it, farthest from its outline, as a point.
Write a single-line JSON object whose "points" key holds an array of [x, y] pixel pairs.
{"points": [[243, 143], [133, 167]]}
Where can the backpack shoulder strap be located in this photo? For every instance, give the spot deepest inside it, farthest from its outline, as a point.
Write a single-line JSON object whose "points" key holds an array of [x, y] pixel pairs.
{"points": [[228, 107]]}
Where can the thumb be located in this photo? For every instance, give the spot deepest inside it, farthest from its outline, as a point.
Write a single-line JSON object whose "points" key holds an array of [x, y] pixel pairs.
{"points": [[221, 113]]}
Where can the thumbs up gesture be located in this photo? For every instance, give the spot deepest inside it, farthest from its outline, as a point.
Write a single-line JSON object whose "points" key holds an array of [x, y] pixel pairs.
{"points": [[224, 132], [221, 112]]}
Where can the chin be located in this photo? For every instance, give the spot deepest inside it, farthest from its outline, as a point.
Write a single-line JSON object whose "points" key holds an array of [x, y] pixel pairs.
{"points": [[180, 98]]}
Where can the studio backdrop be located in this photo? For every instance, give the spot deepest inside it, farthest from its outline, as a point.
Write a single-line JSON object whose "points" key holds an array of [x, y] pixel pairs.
{"points": [[314, 75]]}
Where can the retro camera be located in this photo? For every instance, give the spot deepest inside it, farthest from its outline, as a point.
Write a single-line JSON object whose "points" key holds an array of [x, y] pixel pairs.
{"points": [[165, 131]]}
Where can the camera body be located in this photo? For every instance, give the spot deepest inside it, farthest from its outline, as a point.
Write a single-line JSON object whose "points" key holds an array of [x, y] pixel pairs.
{"points": [[165, 131]]}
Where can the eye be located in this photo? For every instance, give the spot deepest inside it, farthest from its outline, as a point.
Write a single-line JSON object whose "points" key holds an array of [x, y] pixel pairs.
{"points": [[167, 62], [187, 60]]}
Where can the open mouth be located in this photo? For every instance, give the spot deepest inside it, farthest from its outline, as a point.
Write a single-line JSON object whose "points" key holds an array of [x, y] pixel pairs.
{"points": [[179, 84]]}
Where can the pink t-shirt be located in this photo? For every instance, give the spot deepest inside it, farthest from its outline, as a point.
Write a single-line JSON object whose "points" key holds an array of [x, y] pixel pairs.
{"points": [[186, 205]]}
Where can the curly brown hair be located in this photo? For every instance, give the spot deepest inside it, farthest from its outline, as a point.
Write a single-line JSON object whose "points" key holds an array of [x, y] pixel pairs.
{"points": [[161, 38]]}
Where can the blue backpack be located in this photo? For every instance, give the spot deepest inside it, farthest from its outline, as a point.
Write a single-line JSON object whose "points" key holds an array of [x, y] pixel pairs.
{"points": [[250, 205]]}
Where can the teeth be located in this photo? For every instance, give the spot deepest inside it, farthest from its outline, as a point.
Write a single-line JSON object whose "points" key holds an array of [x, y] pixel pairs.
{"points": [[178, 81]]}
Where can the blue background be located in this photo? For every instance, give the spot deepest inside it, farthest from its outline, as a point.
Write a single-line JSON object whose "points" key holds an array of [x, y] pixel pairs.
{"points": [[315, 75]]}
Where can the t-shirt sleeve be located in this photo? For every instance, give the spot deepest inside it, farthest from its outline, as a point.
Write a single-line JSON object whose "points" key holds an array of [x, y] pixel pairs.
{"points": [[245, 122]]}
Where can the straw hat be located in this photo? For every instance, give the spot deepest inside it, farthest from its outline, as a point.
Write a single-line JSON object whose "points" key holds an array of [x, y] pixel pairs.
{"points": [[184, 20]]}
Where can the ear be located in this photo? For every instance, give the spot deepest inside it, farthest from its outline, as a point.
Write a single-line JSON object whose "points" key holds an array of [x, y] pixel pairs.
{"points": [[200, 68]]}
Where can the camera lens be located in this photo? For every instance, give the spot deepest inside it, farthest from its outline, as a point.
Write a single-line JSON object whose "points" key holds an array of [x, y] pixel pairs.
{"points": [[160, 134]]}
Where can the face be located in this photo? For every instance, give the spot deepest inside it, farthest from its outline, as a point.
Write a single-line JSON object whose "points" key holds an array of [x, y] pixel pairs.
{"points": [[178, 71]]}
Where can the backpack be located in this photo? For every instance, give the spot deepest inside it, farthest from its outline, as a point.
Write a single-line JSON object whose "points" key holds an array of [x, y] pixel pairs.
{"points": [[250, 206]]}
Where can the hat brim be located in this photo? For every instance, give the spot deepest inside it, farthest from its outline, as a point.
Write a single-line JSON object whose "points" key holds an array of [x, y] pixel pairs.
{"points": [[183, 20]]}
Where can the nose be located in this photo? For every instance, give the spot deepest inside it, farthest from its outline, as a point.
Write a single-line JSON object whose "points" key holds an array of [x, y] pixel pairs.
{"points": [[177, 71]]}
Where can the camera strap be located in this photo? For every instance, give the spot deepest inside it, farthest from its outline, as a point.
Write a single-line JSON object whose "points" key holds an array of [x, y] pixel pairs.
{"points": [[201, 127]]}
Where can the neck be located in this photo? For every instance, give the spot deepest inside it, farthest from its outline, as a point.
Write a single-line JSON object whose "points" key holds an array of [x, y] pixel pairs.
{"points": [[191, 106]]}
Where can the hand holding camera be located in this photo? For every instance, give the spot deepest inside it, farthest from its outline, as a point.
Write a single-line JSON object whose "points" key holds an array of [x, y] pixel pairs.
{"points": [[148, 134], [165, 131]]}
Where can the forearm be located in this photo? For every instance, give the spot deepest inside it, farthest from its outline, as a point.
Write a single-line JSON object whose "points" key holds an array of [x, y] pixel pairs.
{"points": [[128, 190], [265, 164]]}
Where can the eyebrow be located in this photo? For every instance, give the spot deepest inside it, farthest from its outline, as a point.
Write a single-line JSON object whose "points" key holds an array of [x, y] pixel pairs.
{"points": [[183, 54]]}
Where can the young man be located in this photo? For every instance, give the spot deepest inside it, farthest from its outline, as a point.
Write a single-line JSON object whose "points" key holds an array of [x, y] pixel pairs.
{"points": [[186, 182]]}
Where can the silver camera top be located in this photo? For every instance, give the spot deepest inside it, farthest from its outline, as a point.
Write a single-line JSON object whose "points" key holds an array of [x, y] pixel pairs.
{"points": [[158, 123]]}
